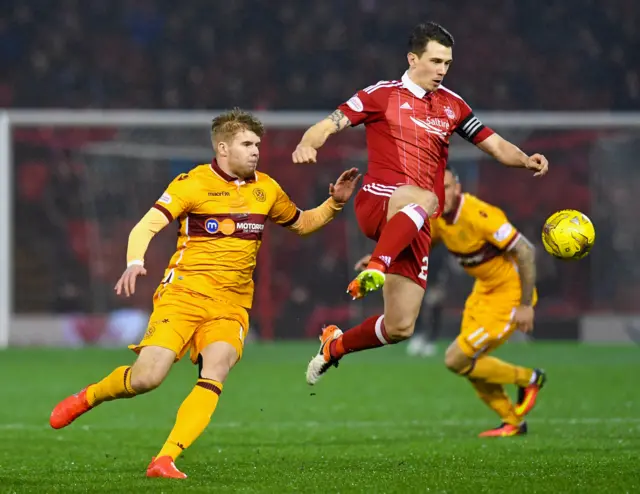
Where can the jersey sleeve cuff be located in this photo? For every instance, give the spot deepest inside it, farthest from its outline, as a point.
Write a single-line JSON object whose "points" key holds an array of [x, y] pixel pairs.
{"points": [[352, 115], [482, 135], [512, 243]]}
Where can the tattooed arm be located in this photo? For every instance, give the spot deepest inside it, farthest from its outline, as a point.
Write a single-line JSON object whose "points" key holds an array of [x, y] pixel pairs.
{"points": [[317, 135], [525, 256]]}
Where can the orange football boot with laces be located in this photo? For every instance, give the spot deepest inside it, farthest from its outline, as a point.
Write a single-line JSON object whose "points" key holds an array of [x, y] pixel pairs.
{"points": [[323, 361]]}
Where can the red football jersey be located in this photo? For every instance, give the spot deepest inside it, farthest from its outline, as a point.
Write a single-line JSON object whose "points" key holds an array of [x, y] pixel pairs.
{"points": [[408, 131]]}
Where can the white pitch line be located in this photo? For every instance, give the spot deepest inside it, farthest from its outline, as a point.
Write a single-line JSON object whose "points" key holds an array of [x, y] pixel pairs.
{"points": [[338, 425]]}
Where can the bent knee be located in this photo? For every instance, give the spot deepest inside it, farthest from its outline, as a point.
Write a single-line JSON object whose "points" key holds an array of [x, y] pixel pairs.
{"points": [[456, 361], [217, 359], [143, 380], [452, 363], [217, 372], [151, 367], [429, 201], [400, 331], [410, 194]]}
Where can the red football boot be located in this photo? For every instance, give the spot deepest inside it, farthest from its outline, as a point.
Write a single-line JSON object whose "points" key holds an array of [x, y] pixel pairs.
{"points": [[506, 430], [528, 396], [164, 467], [69, 409]]}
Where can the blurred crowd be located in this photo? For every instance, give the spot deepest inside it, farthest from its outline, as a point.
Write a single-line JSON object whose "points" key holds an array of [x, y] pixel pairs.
{"points": [[85, 203], [510, 54], [85, 188]]}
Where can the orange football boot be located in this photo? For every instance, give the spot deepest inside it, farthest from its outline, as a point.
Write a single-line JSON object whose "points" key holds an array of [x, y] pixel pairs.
{"points": [[165, 468], [506, 430], [323, 361], [69, 409], [527, 396]]}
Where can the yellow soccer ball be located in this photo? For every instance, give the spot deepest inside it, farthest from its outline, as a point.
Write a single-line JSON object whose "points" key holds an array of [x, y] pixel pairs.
{"points": [[568, 234]]}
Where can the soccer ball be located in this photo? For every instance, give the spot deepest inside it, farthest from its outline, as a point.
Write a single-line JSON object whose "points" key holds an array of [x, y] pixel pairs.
{"points": [[568, 234]]}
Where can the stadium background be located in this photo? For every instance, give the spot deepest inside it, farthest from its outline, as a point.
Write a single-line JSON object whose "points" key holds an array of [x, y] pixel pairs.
{"points": [[73, 183], [78, 189]]}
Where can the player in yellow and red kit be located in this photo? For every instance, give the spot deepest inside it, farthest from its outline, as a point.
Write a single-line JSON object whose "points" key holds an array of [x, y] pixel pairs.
{"points": [[502, 261], [202, 302]]}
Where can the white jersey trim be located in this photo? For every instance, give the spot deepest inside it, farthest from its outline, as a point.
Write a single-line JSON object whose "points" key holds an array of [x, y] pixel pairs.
{"points": [[379, 189], [452, 93], [380, 85]]}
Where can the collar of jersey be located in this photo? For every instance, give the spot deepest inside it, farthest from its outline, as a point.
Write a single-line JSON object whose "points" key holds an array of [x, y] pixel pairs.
{"points": [[215, 167], [452, 217], [416, 90]]}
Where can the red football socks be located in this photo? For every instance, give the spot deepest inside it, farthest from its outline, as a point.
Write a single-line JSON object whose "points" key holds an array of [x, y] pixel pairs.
{"points": [[369, 334], [397, 234]]}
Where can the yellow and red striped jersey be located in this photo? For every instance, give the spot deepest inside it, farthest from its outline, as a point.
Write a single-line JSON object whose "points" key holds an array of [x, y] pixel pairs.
{"points": [[479, 235], [221, 221]]}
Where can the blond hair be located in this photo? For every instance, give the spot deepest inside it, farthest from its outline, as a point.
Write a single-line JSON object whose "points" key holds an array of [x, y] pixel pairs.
{"points": [[228, 124]]}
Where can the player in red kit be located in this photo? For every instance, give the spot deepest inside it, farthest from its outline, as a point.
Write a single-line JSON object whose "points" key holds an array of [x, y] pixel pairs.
{"points": [[408, 124]]}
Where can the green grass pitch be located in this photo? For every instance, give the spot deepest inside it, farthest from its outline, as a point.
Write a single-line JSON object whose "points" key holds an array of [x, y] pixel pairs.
{"points": [[382, 422]]}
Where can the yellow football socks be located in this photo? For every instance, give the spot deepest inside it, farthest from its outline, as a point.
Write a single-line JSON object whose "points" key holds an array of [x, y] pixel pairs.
{"points": [[193, 417], [496, 371], [115, 385], [497, 399]]}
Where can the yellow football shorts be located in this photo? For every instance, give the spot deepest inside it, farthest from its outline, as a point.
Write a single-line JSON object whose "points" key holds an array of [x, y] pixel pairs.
{"points": [[487, 321], [184, 320]]}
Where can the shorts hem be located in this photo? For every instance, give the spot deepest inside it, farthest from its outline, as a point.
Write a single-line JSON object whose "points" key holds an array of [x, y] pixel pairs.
{"points": [[138, 348]]}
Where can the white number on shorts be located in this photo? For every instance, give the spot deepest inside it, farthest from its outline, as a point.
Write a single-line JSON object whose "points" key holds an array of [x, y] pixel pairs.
{"points": [[424, 270], [241, 333]]}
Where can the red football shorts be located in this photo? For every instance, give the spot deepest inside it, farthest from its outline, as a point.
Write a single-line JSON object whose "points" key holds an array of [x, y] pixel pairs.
{"points": [[371, 205]]}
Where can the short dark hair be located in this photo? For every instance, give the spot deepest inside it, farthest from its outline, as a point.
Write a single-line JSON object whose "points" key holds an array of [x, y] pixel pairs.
{"points": [[428, 31], [453, 172], [228, 124]]}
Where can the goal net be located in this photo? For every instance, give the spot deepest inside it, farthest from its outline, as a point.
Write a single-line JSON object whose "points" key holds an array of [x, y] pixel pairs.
{"points": [[76, 183]]}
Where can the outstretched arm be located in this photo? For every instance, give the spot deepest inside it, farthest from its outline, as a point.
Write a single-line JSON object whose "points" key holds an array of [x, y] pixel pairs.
{"points": [[511, 155], [317, 135], [472, 129], [312, 220]]}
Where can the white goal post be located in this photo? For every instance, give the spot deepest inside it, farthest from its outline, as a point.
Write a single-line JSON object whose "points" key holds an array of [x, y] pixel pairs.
{"points": [[14, 119]]}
